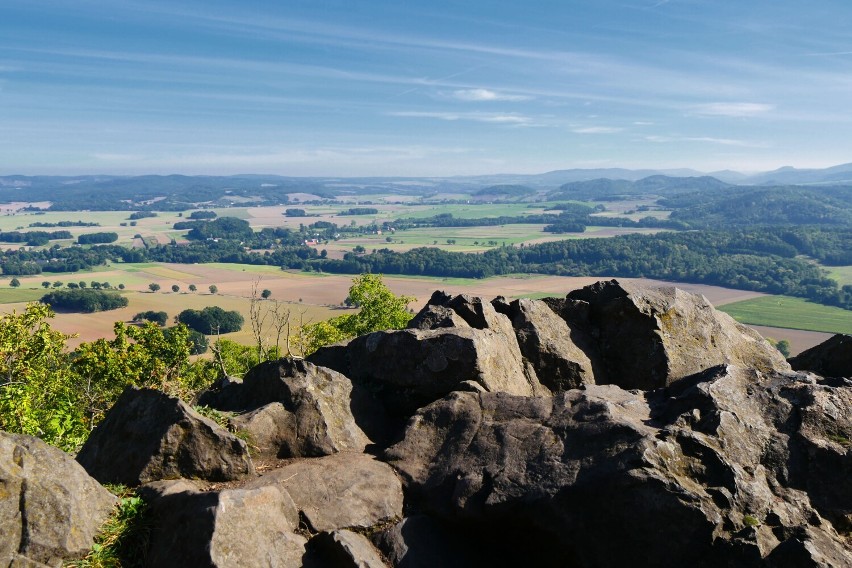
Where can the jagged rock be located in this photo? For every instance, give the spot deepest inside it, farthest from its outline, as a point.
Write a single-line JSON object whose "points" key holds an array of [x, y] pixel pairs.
{"points": [[270, 430], [435, 317], [229, 528], [344, 490], [831, 358], [50, 509], [411, 368], [318, 413], [648, 338], [420, 542], [342, 549], [715, 472], [148, 435], [548, 343]]}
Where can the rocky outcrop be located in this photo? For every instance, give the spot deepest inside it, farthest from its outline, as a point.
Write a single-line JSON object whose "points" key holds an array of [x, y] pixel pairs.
{"points": [[345, 490], [666, 435], [707, 474], [298, 409], [831, 358], [550, 345], [50, 509], [229, 528], [412, 367], [647, 338], [148, 436]]}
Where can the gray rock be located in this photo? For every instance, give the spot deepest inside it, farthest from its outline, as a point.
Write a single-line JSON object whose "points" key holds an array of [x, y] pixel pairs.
{"points": [[421, 542], [344, 490], [229, 528], [717, 471], [831, 358], [548, 343], [648, 338], [148, 435], [411, 368], [342, 549], [269, 431], [50, 509], [318, 412]]}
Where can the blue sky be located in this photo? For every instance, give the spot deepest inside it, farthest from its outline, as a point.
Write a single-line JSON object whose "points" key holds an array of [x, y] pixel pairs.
{"points": [[351, 88]]}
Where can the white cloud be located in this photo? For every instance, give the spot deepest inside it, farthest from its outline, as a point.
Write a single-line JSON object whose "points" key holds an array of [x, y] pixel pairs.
{"points": [[485, 95], [707, 140], [733, 109], [515, 119], [596, 130]]}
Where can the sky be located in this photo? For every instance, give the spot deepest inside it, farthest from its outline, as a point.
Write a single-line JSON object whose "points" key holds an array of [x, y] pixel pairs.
{"points": [[422, 88]]}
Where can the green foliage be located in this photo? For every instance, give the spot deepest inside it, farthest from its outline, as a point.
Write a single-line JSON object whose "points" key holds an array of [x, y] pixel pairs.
{"points": [[751, 521], [160, 318], [213, 288], [212, 319], [38, 394], [97, 238], [84, 300], [14, 283], [266, 294], [123, 539], [154, 287], [379, 309], [235, 360], [783, 346]]}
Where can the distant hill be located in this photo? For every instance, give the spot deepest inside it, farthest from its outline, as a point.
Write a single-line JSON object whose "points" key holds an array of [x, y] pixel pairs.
{"points": [[504, 192], [616, 189]]}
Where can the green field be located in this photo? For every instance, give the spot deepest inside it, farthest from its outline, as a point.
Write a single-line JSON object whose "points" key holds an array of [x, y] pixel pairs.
{"points": [[791, 313], [843, 274]]}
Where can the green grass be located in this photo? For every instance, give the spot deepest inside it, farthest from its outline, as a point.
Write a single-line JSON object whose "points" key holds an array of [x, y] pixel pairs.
{"points": [[843, 274], [791, 313], [9, 295]]}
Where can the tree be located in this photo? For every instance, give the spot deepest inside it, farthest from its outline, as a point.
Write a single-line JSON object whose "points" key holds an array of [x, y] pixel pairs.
{"points": [[45, 284], [213, 288], [153, 286], [14, 283], [266, 294], [175, 288], [160, 318], [193, 287], [212, 319], [379, 307], [37, 389]]}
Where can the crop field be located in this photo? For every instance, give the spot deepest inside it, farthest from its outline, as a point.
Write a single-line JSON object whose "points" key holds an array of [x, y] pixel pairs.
{"points": [[788, 312]]}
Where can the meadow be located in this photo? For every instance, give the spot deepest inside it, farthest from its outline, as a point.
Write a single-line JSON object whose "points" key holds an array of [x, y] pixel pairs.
{"points": [[788, 312]]}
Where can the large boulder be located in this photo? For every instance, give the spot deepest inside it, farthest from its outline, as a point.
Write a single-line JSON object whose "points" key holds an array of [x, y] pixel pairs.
{"points": [[549, 344], [646, 338], [831, 358], [303, 409], [421, 542], [148, 435], [50, 509], [344, 490], [231, 528], [411, 368], [342, 549], [715, 472]]}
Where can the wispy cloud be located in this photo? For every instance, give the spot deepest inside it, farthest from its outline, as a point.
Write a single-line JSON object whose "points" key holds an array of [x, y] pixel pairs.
{"points": [[597, 130], [707, 140], [485, 95], [733, 109], [496, 118]]}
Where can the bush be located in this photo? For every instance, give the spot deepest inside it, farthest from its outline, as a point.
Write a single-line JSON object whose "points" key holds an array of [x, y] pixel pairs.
{"points": [[85, 300], [160, 318], [97, 238], [212, 319]]}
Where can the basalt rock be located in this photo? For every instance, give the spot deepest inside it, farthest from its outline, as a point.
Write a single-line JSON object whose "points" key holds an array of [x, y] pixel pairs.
{"points": [[319, 411], [549, 344], [229, 528], [148, 435], [411, 368], [646, 338], [50, 509], [342, 549], [344, 490], [831, 358], [716, 472]]}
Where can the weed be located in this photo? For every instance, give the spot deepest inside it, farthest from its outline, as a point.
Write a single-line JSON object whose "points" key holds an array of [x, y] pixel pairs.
{"points": [[124, 537], [751, 521]]}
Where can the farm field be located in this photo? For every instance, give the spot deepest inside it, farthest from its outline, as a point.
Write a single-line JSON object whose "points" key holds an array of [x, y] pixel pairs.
{"points": [[843, 274], [788, 312], [309, 296]]}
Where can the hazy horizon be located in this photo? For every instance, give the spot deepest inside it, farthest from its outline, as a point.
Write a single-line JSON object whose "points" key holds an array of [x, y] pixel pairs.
{"points": [[437, 89]]}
